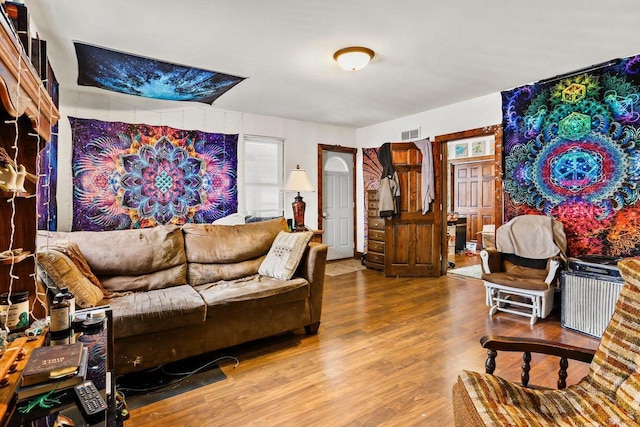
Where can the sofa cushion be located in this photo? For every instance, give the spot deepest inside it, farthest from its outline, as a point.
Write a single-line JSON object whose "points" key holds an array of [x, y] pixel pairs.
{"points": [[285, 255], [58, 270], [173, 276], [132, 253], [253, 292], [225, 246], [140, 313], [125, 252], [199, 273]]}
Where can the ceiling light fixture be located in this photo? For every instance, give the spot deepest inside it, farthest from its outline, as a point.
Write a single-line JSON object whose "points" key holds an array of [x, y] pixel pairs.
{"points": [[353, 58]]}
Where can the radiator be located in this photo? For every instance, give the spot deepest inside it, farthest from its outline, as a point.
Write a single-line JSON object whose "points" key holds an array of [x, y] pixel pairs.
{"points": [[588, 302]]}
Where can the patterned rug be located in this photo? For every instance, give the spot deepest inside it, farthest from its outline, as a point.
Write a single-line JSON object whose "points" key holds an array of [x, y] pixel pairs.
{"points": [[343, 266], [474, 271]]}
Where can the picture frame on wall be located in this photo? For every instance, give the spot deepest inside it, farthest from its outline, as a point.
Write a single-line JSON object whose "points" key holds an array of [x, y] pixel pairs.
{"points": [[478, 148], [462, 150]]}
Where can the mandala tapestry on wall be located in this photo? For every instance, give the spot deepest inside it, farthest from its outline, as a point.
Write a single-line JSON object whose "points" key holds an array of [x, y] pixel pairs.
{"points": [[371, 173], [572, 151], [134, 175]]}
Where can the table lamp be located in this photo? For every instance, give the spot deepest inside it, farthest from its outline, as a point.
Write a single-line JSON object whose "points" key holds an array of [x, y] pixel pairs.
{"points": [[298, 181]]}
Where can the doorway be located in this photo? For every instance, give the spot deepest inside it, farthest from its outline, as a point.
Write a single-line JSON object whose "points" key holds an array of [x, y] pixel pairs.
{"points": [[475, 155], [336, 206]]}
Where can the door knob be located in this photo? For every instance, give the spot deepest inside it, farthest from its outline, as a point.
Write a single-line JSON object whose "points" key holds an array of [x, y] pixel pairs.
{"points": [[324, 214]]}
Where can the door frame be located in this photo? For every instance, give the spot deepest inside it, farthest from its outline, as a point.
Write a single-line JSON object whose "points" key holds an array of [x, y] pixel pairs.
{"points": [[337, 149], [496, 131]]}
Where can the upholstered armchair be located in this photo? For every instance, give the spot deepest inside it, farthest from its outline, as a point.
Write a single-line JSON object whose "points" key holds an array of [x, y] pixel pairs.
{"points": [[608, 396], [520, 274]]}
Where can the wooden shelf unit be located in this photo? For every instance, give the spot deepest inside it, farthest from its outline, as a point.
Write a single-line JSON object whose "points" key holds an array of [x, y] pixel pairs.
{"points": [[27, 113], [376, 233]]}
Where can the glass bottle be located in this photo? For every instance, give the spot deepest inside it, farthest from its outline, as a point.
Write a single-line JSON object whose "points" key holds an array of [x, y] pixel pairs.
{"points": [[71, 299]]}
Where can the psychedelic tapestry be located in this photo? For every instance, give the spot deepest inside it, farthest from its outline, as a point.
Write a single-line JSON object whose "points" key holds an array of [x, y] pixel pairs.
{"points": [[48, 184], [135, 175], [572, 151], [151, 78], [371, 174]]}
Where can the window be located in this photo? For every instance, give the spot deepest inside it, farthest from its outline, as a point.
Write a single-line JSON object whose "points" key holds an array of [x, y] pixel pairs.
{"points": [[263, 175]]}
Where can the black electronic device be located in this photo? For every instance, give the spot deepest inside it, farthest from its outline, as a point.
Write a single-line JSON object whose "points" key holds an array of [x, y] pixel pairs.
{"points": [[90, 399], [596, 265]]}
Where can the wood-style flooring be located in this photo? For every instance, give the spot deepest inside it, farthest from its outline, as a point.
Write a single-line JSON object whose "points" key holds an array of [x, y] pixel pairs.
{"points": [[387, 354]]}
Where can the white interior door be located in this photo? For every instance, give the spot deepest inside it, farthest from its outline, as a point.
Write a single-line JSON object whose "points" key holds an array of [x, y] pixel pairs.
{"points": [[337, 200]]}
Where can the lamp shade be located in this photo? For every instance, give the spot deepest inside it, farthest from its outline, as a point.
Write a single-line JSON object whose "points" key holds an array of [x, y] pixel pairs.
{"points": [[298, 181], [353, 58]]}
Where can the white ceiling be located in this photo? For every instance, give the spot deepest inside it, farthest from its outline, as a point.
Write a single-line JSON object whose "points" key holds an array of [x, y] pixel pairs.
{"points": [[428, 53]]}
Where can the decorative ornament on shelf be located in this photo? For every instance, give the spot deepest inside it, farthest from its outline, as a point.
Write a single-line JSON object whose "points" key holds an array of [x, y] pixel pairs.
{"points": [[12, 179], [298, 181]]}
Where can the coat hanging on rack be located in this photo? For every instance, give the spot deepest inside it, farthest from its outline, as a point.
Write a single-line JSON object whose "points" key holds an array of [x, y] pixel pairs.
{"points": [[428, 185], [389, 189]]}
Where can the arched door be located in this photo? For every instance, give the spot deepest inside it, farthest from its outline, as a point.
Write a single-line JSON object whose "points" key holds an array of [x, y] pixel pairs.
{"points": [[338, 204]]}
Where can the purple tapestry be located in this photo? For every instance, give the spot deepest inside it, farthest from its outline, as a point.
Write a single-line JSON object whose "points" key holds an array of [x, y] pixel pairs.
{"points": [[135, 175]]}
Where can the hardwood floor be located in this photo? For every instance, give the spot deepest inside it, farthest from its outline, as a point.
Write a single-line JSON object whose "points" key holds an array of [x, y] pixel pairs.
{"points": [[387, 353]]}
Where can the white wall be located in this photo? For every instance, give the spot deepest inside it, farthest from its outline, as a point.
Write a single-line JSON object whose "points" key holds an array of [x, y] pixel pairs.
{"points": [[301, 138], [471, 114]]}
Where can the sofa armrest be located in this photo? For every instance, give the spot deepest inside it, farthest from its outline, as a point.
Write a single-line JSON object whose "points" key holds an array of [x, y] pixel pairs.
{"points": [[312, 268], [495, 343], [491, 260]]}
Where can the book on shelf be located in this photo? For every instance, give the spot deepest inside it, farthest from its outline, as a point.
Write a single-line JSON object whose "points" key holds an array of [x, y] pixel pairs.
{"points": [[27, 392], [52, 362]]}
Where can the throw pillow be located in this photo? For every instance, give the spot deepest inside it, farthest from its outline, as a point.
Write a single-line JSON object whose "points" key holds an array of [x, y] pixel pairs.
{"points": [[72, 250], [62, 272], [232, 219], [285, 254]]}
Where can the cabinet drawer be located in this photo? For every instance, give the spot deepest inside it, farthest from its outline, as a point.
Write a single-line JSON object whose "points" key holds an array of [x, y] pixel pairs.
{"points": [[373, 206], [373, 213], [375, 258], [372, 195], [375, 246], [376, 235], [376, 223]]}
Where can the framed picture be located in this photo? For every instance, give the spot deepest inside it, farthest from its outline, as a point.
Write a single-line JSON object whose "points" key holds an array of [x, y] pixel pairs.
{"points": [[462, 150], [478, 148]]}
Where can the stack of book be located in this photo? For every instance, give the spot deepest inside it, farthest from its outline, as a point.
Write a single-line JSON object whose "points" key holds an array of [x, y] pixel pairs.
{"points": [[52, 369]]}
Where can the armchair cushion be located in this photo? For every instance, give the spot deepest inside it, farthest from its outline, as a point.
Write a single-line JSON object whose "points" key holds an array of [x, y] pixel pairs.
{"points": [[628, 396], [498, 402]]}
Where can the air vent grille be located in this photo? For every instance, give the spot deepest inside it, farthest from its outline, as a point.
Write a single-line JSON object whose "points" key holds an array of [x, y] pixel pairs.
{"points": [[411, 134]]}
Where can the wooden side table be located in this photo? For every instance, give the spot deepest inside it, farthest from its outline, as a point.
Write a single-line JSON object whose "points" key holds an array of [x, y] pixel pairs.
{"points": [[317, 236]]}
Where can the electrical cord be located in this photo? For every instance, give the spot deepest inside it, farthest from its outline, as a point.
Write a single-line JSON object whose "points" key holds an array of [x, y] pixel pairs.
{"points": [[184, 375]]}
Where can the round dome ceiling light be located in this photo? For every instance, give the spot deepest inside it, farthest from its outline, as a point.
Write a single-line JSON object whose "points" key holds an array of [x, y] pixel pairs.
{"points": [[353, 58]]}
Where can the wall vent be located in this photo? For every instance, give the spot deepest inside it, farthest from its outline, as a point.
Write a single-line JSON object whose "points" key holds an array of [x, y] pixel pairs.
{"points": [[411, 134]]}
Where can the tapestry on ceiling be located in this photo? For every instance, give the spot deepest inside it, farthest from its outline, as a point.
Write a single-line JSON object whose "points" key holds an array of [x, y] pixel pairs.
{"points": [[151, 78], [572, 151], [371, 174], [135, 175]]}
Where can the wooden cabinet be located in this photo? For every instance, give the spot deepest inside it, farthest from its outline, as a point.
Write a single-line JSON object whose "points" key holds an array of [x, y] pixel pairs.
{"points": [[27, 113], [376, 233]]}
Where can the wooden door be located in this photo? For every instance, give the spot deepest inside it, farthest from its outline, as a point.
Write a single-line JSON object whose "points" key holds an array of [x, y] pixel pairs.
{"points": [[412, 240], [474, 194]]}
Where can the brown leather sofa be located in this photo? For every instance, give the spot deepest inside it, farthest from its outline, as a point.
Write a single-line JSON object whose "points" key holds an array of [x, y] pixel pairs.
{"points": [[180, 291]]}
